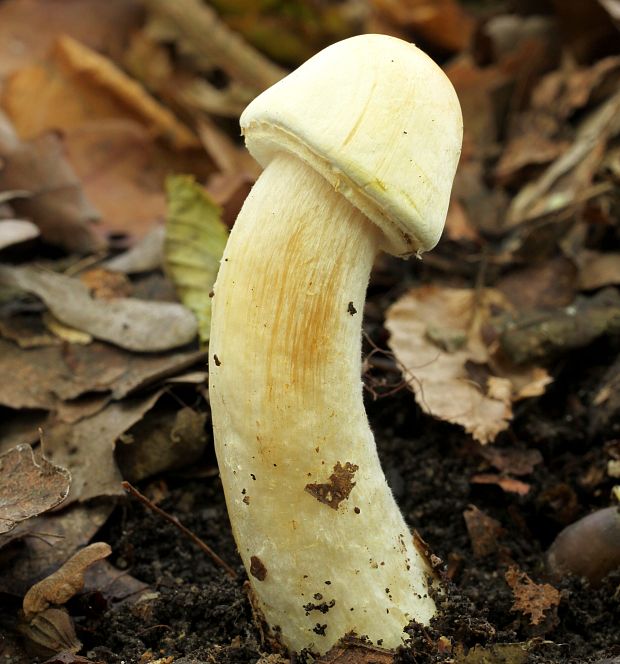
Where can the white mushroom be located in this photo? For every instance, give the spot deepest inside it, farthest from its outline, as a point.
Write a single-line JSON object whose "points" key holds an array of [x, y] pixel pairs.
{"points": [[359, 145]]}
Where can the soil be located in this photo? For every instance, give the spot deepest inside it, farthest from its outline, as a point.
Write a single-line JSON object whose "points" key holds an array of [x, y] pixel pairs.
{"points": [[196, 613]]}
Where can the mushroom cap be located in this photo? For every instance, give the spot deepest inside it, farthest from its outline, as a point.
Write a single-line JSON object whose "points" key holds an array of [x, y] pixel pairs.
{"points": [[378, 119]]}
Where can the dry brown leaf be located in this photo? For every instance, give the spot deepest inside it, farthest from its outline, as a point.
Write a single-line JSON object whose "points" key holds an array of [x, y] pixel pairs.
{"points": [[106, 285], [41, 378], [46, 541], [29, 486], [350, 650], [55, 201], [50, 632], [597, 270], [162, 440], [542, 285], [145, 256], [436, 334], [27, 330], [524, 152], [508, 484], [443, 23], [28, 28], [531, 599], [130, 323], [511, 459], [80, 85], [87, 447], [568, 181], [483, 531], [64, 583]]}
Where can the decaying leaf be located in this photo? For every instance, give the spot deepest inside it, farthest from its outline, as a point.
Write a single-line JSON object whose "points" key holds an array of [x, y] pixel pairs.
{"points": [[41, 380], [568, 180], [28, 28], [437, 334], [51, 631], [29, 486], [163, 440], [512, 460], [64, 583], [87, 447], [506, 483], [55, 201], [43, 543], [531, 599], [350, 650], [80, 85], [443, 23], [14, 231], [597, 270], [146, 255], [498, 653], [483, 531], [195, 241], [127, 322]]}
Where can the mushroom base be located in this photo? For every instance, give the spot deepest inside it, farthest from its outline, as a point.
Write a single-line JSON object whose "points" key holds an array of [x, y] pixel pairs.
{"points": [[325, 545]]}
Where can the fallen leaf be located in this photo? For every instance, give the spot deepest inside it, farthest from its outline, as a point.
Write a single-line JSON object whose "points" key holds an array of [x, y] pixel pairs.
{"points": [[87, 447], [58, 588], [508, 484], [127, 322], [437, 336], [114, 584], [350, 650], [15, 231], [568, 181], [51, 631], [483, 531], [162, 440], [597, 269], [512, 460], [121, 155], [27, 330], [498, 653], [80, 85], [29, 486], [144, 256], [542, 285], [65, 332], [41, 544], [531, 598], [441, 23], [55, 201], [195, 241], [28, 28], [42, 378], [105, 284]]}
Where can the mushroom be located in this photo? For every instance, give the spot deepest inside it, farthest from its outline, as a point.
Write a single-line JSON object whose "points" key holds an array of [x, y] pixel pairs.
{"points": [[359, 148]]}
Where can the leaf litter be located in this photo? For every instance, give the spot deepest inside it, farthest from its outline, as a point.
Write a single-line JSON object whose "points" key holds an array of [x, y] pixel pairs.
{"points": [[140, 92]]}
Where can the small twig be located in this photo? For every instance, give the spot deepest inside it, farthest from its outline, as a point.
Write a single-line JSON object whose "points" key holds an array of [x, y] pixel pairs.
{"points": [[202, 29], [175, 522]]}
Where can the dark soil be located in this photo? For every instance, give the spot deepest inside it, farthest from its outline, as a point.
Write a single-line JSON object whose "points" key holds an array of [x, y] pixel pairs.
{"points": [[198, 614]]}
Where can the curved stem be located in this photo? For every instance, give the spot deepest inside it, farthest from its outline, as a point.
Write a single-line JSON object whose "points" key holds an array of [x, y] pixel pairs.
{"points": [[325, 545]]}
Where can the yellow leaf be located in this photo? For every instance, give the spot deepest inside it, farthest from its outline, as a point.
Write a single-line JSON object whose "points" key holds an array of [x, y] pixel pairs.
{"points": [[195, 241]]}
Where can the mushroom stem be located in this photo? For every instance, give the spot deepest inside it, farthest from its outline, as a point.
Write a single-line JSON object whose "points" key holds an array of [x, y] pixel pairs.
{"points": [[317, 527]]}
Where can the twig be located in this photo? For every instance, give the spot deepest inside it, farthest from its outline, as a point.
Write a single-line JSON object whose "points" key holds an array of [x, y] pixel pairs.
{"points": [[210, 37], [175, 522]]}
